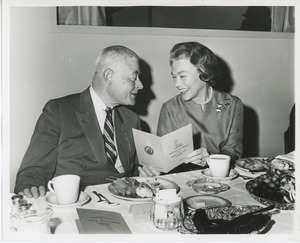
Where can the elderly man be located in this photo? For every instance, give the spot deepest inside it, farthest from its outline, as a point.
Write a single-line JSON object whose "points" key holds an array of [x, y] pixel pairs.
{"points": [[88, 134]]}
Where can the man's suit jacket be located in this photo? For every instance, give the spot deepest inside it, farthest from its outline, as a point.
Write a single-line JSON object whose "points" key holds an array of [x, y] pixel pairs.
{"points": [[68, 140]]}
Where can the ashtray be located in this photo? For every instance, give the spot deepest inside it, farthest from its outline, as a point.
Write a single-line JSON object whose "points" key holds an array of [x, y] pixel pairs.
{"points": [[207, 186]]}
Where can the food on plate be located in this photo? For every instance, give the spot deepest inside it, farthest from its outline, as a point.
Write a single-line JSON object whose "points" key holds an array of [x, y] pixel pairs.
{"points": [[278, 184], [207, 201], [145, 190], [265, 164], [263, 186], [239, 225], [198, 204], [254, 163], [287, 188], [282, 165], [130, 187]]}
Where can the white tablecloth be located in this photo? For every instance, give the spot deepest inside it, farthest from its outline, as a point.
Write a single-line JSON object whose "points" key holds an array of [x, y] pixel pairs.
{"points": [[63, 220]]}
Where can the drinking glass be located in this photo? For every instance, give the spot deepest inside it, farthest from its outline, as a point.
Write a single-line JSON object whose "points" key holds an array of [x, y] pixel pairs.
{"points": [[167, 216], [32, 221]]}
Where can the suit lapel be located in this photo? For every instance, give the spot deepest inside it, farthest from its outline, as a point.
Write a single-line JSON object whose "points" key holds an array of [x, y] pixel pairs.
{"points": [[87, 119], [122, 139]]}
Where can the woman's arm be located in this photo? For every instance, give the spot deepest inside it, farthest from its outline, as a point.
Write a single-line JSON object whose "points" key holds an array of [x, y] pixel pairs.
{"points": [[234, 144]]}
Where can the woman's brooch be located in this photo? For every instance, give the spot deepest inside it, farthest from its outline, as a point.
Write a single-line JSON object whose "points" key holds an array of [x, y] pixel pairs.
{"points": [[226, 104]]}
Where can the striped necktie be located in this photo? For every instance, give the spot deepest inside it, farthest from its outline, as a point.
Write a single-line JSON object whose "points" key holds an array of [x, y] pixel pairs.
{"points": [[108, 135]]}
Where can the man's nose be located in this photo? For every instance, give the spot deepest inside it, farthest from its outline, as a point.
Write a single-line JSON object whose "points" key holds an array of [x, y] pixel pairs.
{"points": [[138, 84]]}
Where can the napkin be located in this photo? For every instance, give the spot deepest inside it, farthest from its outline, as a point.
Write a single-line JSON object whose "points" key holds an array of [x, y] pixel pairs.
{"points": [[290, 156]]}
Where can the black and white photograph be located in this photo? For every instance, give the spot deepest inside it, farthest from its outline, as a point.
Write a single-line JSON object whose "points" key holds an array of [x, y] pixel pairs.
{"points": [[149, 121]]}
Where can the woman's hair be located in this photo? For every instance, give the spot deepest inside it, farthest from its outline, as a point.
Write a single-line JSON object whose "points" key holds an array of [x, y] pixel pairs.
{"points": [[201, 57]]}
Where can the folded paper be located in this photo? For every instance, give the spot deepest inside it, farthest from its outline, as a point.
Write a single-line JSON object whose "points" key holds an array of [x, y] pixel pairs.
{"points": [[101, 222], [166, 152]]}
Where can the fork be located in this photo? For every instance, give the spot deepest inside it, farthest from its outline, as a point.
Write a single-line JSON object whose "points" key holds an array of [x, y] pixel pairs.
{"points": [[112, 178], [104, 199], [246, 177]]}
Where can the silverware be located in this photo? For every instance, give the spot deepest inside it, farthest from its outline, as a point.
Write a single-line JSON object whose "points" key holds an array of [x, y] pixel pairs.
{"points": [[246, 177], [104, 199], [88, 201], [98, 195], [112, 178]]}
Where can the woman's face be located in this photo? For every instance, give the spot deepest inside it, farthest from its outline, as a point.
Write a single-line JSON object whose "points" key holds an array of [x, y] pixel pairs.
{"points": [[187, 81]]}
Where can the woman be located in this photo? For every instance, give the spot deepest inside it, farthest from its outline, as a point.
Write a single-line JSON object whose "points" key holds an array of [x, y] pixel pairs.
{"points": [[216, 117]]}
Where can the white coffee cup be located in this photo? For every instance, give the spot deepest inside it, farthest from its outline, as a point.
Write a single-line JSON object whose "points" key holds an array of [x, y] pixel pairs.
{"points": [[66, 188], [219, 165]]}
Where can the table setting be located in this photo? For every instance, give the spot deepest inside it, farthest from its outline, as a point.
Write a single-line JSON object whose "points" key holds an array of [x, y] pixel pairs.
{"points": [[219, 199]]}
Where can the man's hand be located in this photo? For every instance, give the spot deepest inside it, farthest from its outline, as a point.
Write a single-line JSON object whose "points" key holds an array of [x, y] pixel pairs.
{"points": [[198, 156], [147, 171], [34, 192]]}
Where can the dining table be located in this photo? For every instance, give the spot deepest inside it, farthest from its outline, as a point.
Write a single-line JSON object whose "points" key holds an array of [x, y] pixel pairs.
{"points": [[63, 220]]}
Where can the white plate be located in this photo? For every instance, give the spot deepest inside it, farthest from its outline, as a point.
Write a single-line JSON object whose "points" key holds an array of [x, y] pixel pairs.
{"points": [[253, 164], [51, 200], [250, 174], [232, 174], [155, 181], [205, 201]]}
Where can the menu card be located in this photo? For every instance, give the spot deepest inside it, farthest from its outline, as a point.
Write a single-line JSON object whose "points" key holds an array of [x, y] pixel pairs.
{"points": [[166, 152], [101, 222]]}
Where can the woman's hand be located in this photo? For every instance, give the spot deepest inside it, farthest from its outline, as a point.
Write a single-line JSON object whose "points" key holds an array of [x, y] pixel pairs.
{"points": [[146, 171], [198, 156]]}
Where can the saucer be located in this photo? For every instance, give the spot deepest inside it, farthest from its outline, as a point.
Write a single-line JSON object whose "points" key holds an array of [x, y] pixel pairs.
{"points": [[232, 174], [51, 200]]}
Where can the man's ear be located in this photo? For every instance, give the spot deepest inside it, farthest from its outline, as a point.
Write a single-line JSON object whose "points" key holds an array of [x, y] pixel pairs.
{"points": [[107, 75]]}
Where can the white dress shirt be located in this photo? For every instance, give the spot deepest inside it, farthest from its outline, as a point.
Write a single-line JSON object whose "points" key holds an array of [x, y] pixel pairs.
{"points": [[101, 116]]}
